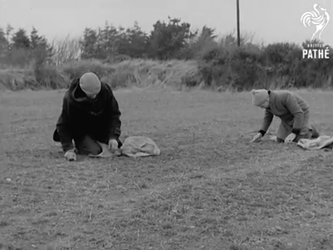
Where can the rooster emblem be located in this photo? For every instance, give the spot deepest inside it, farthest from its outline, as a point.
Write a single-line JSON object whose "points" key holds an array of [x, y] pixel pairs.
{"points": [[319, 19]]}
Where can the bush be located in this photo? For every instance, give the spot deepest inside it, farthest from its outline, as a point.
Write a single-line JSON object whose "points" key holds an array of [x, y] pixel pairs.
{"points": [[278, 65], [50, 78], [237, 68], [46, 77]]}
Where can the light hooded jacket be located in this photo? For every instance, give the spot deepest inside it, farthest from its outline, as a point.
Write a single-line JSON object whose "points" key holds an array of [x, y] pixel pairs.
{"points": [[289, 107], [80, 117]]}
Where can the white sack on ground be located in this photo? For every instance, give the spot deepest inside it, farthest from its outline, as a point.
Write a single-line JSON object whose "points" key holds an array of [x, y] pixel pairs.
{"points": [[133, 146]]}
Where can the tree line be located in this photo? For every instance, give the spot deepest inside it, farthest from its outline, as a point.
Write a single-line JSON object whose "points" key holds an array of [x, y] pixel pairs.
{"points": [[168, 40], [220, 60]]}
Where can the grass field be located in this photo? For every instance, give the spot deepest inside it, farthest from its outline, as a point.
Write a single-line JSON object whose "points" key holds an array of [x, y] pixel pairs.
{"points": [[209, 189]]}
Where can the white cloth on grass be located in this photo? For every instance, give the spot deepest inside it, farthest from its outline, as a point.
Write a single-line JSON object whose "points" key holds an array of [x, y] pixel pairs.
{"points": [[322, 142], [133, 146]]}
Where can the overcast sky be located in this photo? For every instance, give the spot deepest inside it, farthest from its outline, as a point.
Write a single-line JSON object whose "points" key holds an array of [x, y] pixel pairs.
{"points": [[269, 20]]}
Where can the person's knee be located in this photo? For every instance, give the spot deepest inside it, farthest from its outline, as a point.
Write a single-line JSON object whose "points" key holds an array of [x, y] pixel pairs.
{"points": [[89, 146]]}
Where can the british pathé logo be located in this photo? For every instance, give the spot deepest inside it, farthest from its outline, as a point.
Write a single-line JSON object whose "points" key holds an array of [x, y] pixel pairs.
{"points": [[315, 51], [320, 19]]}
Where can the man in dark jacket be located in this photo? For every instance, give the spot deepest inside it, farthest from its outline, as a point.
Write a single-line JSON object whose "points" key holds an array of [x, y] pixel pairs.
{"points": [[90, 114]]}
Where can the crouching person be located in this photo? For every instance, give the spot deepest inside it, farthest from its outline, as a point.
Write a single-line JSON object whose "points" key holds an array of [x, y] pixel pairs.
{"points": [[90, 114], [290, 108]]}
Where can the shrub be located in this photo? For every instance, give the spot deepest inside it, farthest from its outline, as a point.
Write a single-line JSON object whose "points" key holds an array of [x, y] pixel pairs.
{"points": [[278, 65], [50, 78]]}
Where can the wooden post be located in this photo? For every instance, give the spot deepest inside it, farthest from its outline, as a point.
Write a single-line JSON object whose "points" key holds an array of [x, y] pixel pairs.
{"points": [[238, 29]]}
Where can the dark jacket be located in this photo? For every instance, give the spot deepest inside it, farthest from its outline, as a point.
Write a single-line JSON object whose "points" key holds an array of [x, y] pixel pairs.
{"points": [[98, 118]]}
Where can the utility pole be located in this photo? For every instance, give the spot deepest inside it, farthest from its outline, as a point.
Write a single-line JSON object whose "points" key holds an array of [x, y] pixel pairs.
{"points": [[238, 30]]}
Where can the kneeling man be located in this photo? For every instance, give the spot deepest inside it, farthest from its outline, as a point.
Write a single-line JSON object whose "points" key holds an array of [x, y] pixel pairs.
{"points": [[290, 108], [90, 114]]}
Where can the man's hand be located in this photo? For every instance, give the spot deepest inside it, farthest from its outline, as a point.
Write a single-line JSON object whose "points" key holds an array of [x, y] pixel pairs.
{"points": [[113, 144], [290, 138], [70, 155], [256, 138]]}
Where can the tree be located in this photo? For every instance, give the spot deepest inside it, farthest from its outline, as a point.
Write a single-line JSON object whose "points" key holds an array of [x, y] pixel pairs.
{"points": [[35, 39], [9, 30], [206, 39], [89, 43], [40, 50], [136, 41], [108, 42], [21, 40], [66, 50], [18, 48], [167, 40], [3, 44]]}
